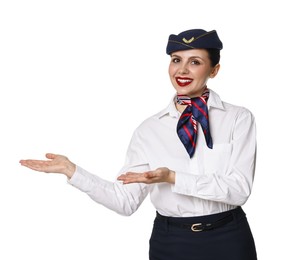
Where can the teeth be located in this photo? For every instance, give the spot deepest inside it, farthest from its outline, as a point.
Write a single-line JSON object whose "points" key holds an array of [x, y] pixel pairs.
{"points": [[184, 80]]}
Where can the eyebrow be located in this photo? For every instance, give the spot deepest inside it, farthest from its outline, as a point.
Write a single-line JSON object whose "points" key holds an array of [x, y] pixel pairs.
{"points": [[191, 57]]}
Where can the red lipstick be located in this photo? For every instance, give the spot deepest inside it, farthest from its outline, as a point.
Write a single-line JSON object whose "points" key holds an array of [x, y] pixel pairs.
{"points": [[183, 82]]}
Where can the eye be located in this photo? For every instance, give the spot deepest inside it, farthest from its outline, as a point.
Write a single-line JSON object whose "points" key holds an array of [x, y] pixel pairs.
{"points": [[195, 62], [175, 60]]}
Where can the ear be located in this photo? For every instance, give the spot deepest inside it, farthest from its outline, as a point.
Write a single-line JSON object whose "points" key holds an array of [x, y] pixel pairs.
{"points": [[215, 71]]}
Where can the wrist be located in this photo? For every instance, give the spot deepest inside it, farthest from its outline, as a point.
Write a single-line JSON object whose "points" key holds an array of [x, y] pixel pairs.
{"points": [[70, 169], [171, 177]]}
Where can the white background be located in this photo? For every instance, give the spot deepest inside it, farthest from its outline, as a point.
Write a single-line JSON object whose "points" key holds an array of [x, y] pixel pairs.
{"points": [[65, 66]]}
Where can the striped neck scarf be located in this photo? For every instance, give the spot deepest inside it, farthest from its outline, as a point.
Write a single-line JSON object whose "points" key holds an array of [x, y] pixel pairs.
{"points": [[196, 111]]}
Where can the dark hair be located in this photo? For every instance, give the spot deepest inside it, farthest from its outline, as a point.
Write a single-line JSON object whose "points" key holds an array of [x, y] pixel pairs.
{"points": [[214, 56]]}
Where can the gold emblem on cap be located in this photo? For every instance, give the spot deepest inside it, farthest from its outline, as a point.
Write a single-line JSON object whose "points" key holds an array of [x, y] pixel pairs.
{"points": [[188, 41]]}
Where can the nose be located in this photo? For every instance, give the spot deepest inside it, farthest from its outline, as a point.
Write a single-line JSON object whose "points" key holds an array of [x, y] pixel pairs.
{"points": [[183, 69]]}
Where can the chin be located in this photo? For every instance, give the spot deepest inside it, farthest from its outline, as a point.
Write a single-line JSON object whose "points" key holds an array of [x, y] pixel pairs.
{"points": [[184, 91], [189, 91]]}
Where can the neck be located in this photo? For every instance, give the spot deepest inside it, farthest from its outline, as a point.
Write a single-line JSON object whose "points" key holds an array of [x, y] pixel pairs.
{"points": [[180, 108], [182, 101]]}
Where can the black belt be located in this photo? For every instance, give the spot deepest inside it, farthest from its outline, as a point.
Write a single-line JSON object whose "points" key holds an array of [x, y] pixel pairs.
{"points": [[197, 227]]}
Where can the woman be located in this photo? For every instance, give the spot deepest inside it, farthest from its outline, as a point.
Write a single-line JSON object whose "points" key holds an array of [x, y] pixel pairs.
{"points": [[196, 158]]}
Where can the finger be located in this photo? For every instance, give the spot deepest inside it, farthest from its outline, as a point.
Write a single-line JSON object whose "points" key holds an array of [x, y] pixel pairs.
{"points": [[150, 174], [34, 163], [26, 162], [50, 156], [121, 177], [125, 177], [38, 165], [129, 181], [131, 178], [133, 174]]}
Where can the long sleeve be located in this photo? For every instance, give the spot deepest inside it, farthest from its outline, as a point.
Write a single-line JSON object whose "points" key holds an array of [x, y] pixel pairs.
{"points": [[228, 171], [123, 199], [213, 180]]}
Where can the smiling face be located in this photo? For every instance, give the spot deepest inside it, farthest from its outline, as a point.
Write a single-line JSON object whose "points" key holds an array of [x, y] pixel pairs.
{"points": [[189, 71]]}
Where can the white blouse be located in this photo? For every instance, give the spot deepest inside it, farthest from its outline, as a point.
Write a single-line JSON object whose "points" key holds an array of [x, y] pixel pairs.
{"points": [[214, 180]]}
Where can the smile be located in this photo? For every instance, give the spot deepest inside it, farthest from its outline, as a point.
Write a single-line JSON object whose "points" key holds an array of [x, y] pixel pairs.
{"points": [[182, 82]]}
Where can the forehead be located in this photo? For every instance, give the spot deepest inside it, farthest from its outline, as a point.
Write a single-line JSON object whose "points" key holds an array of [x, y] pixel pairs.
{"points": [[202, 53]]}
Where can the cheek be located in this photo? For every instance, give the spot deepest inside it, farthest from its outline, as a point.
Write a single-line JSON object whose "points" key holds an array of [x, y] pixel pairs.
{"points": [[203, 74], [172, 69], [171, 74]]}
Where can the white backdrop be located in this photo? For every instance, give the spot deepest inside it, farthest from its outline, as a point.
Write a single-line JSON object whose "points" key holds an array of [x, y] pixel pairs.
{"points": [[67, 65]]}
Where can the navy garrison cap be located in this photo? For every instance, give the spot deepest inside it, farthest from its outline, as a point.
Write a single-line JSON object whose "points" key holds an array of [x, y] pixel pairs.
{"points": [[194, 39]]}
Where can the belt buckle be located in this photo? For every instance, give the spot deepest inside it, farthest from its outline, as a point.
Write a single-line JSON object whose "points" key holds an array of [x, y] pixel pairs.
{"points": [[197, 227]]}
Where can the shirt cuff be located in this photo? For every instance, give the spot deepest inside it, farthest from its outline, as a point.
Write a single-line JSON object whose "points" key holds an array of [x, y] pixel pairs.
{"points": [[185, 183], [80, 179]]}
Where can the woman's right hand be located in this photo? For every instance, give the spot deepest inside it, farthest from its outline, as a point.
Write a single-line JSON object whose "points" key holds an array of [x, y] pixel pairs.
{"points": [[55, 164]]}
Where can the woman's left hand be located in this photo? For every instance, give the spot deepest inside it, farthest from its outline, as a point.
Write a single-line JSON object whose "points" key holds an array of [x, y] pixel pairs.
{"points": [[159, 175]]}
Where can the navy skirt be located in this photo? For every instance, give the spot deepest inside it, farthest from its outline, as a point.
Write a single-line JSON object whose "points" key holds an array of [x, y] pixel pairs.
{"points": [[173, 238]]}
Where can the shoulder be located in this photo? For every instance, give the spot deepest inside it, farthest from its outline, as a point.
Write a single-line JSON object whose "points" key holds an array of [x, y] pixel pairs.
{"points": [[233, 110], [238, 109], [148, 123], [159, 119]]}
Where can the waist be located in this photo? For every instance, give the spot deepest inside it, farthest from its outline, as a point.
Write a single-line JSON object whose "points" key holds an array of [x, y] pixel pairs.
{"points": [[177, 205], [202, 223]]}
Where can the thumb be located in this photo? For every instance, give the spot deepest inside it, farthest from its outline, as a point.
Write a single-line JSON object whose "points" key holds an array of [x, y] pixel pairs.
{"points": [[150, 174], [50, 156]]}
